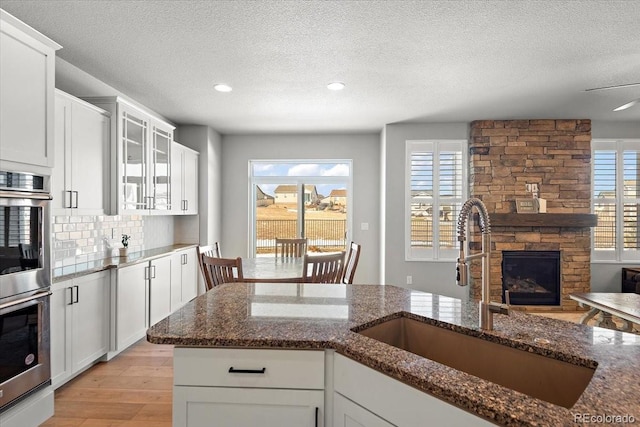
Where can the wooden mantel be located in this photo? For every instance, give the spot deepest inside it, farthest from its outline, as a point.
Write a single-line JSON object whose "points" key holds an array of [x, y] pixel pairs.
{"points": [[543, 220]]}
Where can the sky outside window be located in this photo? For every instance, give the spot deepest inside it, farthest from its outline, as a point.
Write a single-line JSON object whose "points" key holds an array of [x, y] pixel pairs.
{"points": [[300, 170]]}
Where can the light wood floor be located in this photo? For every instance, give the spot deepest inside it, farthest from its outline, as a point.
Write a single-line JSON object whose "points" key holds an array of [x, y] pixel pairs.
{"points": [[132, 390]]}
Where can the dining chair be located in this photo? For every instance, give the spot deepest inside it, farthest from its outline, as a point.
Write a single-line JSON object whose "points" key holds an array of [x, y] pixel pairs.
{"points": [[221, 270], [290, 248], [351, 263], [208, 250], [325, 268]]}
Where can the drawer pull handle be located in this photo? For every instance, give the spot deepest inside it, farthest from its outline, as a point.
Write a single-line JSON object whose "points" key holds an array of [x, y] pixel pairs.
{"points": [[233, 370]]}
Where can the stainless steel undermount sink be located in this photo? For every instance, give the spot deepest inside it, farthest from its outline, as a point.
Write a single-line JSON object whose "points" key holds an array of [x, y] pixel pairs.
{"points": [[551, 380]]}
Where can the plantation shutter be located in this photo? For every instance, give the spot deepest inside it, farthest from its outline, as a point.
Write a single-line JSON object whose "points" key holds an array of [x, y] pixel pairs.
{"points": [[604, 198], [616, 199], [631, 199], [450, 192], [422, 206], [435, 180]]}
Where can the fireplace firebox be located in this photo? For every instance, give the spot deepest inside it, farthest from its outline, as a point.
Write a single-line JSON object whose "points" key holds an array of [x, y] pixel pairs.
{"points": [[531, 277]]}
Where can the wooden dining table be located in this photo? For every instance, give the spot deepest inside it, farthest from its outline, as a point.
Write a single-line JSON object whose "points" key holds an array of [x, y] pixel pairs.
{"points": [[625, 306], [272, 269]]}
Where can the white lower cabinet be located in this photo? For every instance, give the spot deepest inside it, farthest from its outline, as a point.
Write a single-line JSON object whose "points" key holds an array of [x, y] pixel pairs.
{"points": [[79, 324], [184, 277], [391, 400], [148, 292], [159, 289], [245, 388], [131, 305], [247, 407], [348, 414]]}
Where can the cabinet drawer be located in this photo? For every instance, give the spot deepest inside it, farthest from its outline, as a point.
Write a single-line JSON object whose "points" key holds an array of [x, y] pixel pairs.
{"points": [[297, 369]]}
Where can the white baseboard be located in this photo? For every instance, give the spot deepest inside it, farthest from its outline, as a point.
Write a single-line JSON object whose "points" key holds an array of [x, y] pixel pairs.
{"points": [[31, 412]]}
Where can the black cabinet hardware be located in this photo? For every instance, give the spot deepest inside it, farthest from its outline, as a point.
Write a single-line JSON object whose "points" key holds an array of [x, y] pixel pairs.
{"points": [[233, 370]]}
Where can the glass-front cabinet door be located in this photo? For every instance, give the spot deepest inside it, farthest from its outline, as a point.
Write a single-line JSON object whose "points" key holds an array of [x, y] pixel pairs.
{"points": [[135, 138], [140, 159], [160, 178]]}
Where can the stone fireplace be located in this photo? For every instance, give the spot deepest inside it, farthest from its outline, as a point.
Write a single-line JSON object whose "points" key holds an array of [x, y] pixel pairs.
{"points": [[505, 155]]}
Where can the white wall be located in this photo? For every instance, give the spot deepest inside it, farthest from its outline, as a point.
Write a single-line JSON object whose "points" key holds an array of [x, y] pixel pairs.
{"points": [[602, 129], [363, 149], [437, 277]]}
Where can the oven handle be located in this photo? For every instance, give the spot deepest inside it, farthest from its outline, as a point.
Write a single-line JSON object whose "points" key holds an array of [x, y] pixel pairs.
{"points": [[26, 299], [25, 195]]}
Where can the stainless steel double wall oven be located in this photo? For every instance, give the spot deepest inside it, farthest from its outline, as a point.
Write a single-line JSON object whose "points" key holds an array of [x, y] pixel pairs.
{"points": [[25, 282]]}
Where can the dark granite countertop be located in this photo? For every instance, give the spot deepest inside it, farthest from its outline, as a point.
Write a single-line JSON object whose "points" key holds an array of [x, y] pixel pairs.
{"points": [[313, 316], [77, 270]]}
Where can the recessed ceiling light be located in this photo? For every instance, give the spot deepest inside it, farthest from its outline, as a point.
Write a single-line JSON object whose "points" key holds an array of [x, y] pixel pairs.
{"points": [[335, 86], [221, 87], [627, 105]]}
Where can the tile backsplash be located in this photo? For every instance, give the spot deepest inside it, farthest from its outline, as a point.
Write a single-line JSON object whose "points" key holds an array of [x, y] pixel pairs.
{"points": [[80, 239]]}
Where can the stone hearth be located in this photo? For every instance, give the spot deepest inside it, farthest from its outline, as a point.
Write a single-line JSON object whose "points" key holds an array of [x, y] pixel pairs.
{"points": [[556, 154]]}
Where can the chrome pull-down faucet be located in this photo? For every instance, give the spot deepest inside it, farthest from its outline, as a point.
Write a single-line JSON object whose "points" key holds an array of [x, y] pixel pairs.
{"points": [[487, 308]]}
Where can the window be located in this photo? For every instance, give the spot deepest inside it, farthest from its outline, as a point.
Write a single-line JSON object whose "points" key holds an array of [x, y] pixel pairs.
{"points": [[435, 191], [616, 199], [305, 198]]}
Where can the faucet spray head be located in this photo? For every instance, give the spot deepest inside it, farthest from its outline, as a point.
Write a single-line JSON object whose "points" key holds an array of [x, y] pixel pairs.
{"points": [[461, 273]]}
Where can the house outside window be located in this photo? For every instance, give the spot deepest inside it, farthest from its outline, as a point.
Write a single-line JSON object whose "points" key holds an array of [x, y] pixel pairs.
{"points": [[435, 191], [616, 199]]}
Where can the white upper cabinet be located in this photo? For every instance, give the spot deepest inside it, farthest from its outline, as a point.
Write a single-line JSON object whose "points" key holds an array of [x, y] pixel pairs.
{"points": [[81, 174], [27, 73], [140, 159], [184, 172]]}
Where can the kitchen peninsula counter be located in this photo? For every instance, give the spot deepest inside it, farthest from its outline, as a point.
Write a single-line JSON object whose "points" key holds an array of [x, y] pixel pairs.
{"points": [[313, 316]]}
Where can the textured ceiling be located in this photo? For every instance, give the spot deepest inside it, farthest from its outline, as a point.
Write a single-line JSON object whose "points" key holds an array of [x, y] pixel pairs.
{"points": [[426, 61]]}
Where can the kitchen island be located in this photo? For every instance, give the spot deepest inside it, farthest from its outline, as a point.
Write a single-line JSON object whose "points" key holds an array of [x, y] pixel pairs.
{"points": [[257, 316]]}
